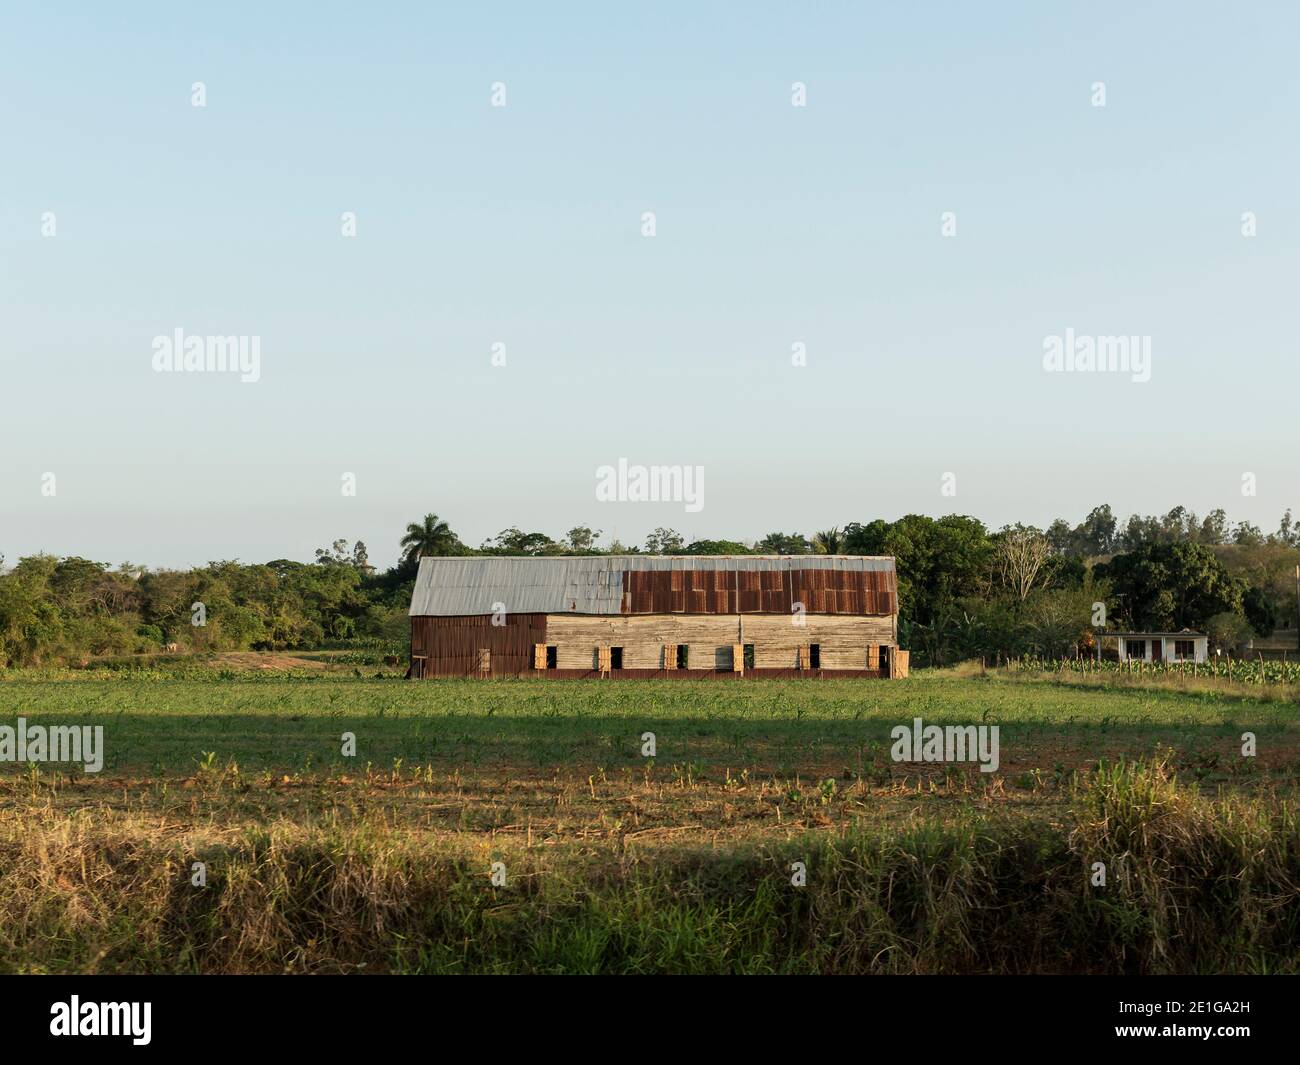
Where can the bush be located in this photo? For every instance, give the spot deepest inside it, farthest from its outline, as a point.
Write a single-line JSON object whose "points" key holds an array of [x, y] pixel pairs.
{"points": [[1229, 630]]}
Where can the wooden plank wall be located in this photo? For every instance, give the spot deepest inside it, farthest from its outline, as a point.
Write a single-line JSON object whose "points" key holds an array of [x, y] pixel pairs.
{"points": [[843, 638]]}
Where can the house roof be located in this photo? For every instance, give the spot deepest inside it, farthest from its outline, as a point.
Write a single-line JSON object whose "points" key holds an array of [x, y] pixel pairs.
{"points": [[635, 584], [1184, 633]]}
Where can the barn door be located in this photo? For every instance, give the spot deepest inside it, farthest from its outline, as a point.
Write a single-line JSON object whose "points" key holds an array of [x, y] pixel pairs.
{"points": [[603, 658], [901, 659], [738, 657], [539, 656], [485, 661]]}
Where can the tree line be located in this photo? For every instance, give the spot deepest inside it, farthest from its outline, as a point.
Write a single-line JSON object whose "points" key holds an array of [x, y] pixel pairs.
{"points": [[965, 590]]}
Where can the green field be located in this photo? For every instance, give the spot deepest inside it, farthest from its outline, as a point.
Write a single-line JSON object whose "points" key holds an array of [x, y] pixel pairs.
{"points": [[293, 723], [616, 862]]}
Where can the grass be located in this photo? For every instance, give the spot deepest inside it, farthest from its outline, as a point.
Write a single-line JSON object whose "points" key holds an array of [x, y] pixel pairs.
{"points": [[165, 725], [619, 863], [1195, 885]]}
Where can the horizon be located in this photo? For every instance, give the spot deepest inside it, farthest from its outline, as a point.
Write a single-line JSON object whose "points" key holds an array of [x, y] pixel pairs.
{"points": [[7, 561]]}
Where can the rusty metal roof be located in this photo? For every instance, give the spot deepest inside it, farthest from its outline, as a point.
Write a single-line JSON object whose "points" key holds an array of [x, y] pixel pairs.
{"points": [[603, 584]]}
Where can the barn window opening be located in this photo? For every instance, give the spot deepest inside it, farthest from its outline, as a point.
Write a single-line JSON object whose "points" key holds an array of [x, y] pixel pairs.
{"points": [[552, 656], [616, 658], [749, 656], [682, 655], [814, 656]]}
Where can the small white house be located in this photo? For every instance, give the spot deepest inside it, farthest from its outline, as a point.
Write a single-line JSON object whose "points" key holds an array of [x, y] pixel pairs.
{"points": [[1185, 646]]}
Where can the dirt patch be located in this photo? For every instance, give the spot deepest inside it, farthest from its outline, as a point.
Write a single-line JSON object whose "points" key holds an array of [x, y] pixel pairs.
{"points": [[266, 660]]}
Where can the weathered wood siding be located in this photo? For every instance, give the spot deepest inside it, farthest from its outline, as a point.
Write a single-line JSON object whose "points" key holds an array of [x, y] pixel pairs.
{"points": [[849, 644], [843, 638]]}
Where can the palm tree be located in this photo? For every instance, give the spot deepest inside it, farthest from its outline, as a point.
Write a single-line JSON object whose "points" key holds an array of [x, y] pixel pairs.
{"points": [[432, 536], [830, 542]]}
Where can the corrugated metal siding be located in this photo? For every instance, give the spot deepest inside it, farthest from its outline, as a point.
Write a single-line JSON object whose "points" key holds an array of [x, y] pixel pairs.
{"points": [[450, 645], [635, 584], [821, 591]]}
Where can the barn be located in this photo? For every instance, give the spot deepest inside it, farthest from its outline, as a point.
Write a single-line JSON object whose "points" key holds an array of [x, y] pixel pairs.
{"points": [[652, 616]]}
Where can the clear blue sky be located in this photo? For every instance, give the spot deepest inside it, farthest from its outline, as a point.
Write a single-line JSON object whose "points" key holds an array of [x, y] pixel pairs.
{"points": [[521, 225]]}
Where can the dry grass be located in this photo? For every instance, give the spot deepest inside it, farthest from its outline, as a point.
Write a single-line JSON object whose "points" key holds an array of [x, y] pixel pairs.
{"points": [[673, 875]]}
